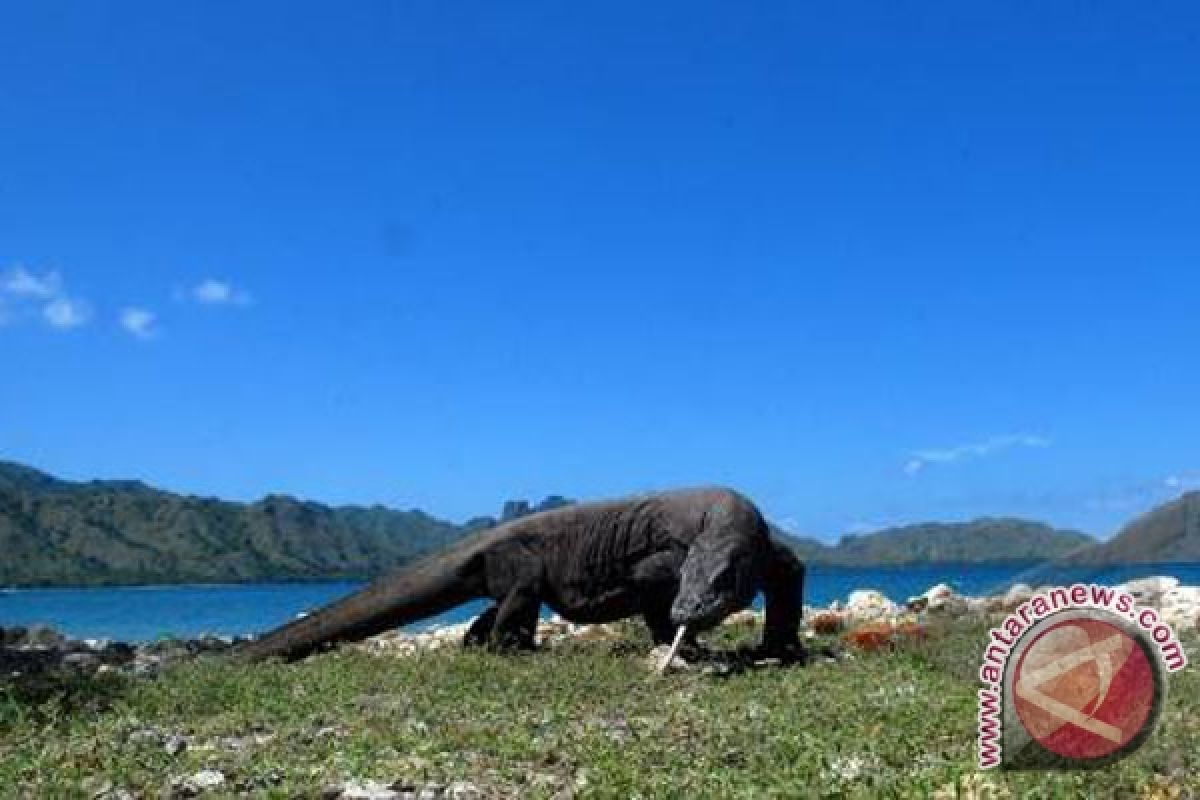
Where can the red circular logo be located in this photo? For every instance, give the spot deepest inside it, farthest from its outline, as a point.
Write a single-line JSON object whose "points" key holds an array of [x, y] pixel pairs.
{"points": [[1084, 688]]}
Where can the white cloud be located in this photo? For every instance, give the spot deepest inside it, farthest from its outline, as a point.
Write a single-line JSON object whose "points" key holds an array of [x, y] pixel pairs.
{"points": [[20, 282], [789, 524], [212, 292], [65, 313], [1182, 483], [139, 322], [26, 295], [921, 459]]}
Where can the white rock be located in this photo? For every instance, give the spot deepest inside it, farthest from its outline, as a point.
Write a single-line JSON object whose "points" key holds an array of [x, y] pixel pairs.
{"points": [[849, 768], [145, 736], [1181, 607], [940, 591], [368, 790], [942, 598], [977, 605], [207, 779], [463, 790], [1018, 594], [1147, 591], [747, 616], [116, 794], [864, 604], [657, 655]]}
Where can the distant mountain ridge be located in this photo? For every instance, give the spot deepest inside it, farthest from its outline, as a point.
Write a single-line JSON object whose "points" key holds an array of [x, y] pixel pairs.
{"points": [[56, 532], [1169, 533], [984, 540]]}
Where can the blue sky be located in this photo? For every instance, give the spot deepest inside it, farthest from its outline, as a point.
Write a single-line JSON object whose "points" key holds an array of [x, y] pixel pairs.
{"points": [[870, 263]]}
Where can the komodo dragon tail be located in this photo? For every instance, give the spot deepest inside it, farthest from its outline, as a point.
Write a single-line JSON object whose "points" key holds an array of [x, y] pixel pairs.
{"points": [[429, 587]]}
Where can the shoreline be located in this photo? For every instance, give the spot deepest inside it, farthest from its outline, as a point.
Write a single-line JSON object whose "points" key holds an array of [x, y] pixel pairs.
{"points": [[867, 618], [813, 566]]}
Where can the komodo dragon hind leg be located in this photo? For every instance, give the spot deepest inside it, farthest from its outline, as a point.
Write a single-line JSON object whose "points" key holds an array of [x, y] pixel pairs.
{"points": [[480, 632], [516, 621]]}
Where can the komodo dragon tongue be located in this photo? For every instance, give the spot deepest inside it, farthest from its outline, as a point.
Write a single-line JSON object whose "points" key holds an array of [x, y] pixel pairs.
{"points": [[666, 662]]}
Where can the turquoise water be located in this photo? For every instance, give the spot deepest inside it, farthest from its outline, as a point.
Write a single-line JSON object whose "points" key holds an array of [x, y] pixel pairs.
{"points": [[144, 613]]}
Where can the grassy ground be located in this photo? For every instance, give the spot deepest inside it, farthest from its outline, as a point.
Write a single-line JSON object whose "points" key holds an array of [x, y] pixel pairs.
{"points": [[586, 720]]}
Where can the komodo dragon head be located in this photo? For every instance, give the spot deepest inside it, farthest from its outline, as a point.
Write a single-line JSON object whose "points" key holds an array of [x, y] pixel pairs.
{"points": [[720, 575]]}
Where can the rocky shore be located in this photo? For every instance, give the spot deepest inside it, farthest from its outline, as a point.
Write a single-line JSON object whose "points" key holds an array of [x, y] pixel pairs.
{"points": [[39, 649], [868, 619]]}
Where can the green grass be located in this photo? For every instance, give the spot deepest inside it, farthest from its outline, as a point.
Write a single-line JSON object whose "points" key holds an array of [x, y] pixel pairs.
{"points": [[583, 720]]}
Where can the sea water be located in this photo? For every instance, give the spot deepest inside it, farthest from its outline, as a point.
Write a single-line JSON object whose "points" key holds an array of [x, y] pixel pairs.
{"points": [[145, 613]]}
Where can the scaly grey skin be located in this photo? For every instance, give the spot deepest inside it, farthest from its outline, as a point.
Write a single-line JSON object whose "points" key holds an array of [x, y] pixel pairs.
{"points": [[687, 557]]}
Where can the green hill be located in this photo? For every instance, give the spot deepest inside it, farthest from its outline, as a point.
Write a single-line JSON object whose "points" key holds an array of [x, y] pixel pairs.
{"points": [[103, 532], [1169, 533], [55, 532], [985, 540]]}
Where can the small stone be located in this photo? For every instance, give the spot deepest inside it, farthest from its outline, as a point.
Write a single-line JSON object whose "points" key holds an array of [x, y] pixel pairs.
{"points": [[328, 731], [207, 779], [719, 669], [177, 789], [368, 790], [869, 604], [1020, 593], [618, 728], [463, 790], [175, 744], [880, 635], [826, 622], [1147, 591], [95, 785], [1181, 607], [43, 637], [848, 768], [144, 736], [977, 605], [744, 617], [972, 786], [116, 794], [85, 662], [655, 659], [942, 599], [939, 591]]}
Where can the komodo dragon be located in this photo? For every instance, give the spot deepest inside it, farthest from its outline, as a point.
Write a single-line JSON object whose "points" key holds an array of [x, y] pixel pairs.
{"points": [[679, 558]]}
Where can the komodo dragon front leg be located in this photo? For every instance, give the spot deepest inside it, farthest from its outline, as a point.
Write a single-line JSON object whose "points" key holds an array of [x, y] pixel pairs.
{"points": [[480, 631], [513, 574], [507, 625], [516, 620]]}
